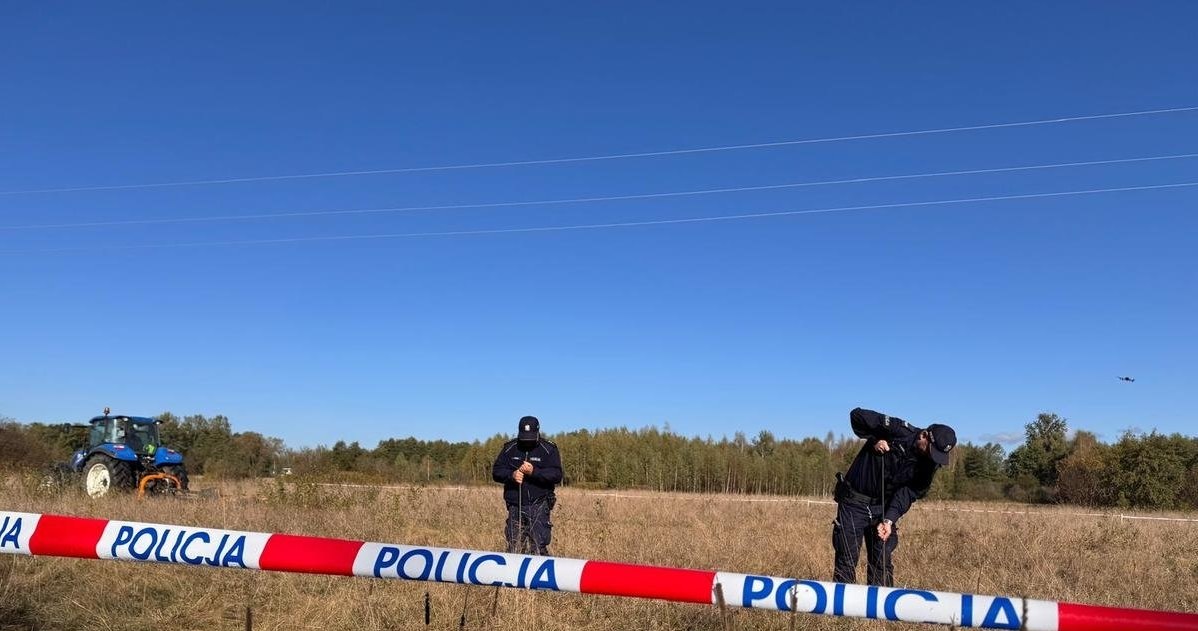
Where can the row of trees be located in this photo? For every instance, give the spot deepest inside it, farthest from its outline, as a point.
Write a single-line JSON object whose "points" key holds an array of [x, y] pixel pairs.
{"points": [[611, 458], [1145, 470], [1140, 470]]}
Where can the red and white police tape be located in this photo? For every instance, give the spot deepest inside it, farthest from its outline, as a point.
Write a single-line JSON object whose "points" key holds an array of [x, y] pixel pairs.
{"points": [[87, 538]]}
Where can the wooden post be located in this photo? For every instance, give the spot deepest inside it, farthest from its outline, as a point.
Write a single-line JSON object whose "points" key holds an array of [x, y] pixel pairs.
{"points": [[465, 601], [719, 600], [794, 606]]}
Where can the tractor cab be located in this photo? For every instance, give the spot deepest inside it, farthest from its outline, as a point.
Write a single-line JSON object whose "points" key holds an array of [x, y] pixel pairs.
{"points": [[138, 434]]}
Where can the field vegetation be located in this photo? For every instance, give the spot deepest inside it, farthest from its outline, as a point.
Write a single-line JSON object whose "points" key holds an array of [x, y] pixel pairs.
{"points": [[1046, 553]]}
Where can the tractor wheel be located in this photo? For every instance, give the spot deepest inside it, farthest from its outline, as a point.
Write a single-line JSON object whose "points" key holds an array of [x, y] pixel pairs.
{"points": [[102, 474], [179, 471]]}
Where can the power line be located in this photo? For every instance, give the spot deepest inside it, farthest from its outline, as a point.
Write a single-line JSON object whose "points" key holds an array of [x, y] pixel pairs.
{"points": [[597, 226], [579, 200], [614, 156]]}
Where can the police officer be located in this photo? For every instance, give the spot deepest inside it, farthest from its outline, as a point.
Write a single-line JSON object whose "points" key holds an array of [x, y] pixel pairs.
{"points": [[893, 469], [528, 467]]}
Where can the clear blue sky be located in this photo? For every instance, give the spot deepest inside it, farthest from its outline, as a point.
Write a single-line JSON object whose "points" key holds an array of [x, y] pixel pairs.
{"points": [[980, 315]]}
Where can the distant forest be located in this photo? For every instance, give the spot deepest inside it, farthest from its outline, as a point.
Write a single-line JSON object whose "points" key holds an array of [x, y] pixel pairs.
{"points": [[1152, 470]]}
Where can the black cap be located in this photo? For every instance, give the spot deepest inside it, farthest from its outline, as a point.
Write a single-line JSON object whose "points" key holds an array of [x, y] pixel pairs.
{"points": [[941, 440], [529, 429]]}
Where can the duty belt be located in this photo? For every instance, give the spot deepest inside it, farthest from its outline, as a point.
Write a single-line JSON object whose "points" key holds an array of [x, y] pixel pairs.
{"points": [[846, 493]]}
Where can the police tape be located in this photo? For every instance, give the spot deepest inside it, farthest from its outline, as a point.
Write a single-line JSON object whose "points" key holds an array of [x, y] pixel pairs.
{"points": [[87, 538]]}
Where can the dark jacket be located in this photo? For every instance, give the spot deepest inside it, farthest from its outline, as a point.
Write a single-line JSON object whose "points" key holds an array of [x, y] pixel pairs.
{"points": [[894, 479], [546, 471]]}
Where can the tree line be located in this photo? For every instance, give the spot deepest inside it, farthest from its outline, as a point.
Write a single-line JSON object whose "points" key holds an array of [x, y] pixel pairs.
{"points": [[1052, 465]]}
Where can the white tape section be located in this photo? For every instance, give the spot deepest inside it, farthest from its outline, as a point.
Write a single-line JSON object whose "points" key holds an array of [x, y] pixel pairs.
{"points": [[15, 531], [133, 541]]}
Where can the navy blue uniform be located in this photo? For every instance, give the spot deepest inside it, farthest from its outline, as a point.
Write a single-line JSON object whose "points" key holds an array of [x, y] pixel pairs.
{"points": [[876, 487], [528, 527]]}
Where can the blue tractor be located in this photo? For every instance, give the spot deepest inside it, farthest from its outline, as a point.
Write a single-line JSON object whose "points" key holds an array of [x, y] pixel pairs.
{"points": [[125, 453]]}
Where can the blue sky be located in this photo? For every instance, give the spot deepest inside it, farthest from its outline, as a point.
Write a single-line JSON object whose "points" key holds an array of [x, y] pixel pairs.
{"points": [[980, 315]]}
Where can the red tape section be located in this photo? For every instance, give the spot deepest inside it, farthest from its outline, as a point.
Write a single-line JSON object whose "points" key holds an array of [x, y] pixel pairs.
{"points": [[311, 555], [1074, 617], [67, 536], [619, 579]]}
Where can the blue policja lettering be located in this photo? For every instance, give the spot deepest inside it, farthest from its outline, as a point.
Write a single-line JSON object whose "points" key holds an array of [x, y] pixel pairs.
{"points": [[150, 544], [782, 594], [1001, 606], [422, 564], [190, 560], [891, 605], [390, 557], [416, 552], [441, 565], [386, 558], [967, 610], [756, 588], [236, 553], [10, 533], [123, 536], [158, 549], [522, 572], [220, 547], [783, 597], [461, 574], [545, 577], [148, 535], [494, 558], [175, 549]]}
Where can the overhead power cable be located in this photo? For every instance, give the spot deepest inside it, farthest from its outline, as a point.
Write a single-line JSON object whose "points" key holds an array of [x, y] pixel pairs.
{"points": [[580, 200], [621, 224], [613, 156]]}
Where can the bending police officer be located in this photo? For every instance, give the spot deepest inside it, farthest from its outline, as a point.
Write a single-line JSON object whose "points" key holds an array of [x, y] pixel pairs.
{"points": [[894, 468], [529, 467]]}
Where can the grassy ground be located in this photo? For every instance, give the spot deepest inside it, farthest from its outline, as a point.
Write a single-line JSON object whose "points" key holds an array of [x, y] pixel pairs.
{"points": [[1052, 555]]}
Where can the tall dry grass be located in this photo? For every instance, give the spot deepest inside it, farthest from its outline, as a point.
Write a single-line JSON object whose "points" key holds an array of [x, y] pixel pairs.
{"points": [[1051, 556]]}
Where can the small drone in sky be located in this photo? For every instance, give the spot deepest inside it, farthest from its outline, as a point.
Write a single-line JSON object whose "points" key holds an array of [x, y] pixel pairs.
{"points": [[1128, 379]]}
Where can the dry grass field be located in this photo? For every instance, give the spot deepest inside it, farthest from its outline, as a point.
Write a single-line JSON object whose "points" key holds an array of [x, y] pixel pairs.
{"points": [[1052, 555]]}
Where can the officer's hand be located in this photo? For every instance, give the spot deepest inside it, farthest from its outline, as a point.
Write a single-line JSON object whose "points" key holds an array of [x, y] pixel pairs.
{"points": [[526, 468], [884, 530], [881, 446], [518, 476]]}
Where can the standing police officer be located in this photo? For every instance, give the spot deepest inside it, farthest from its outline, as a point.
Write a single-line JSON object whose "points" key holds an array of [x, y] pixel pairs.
{"points": [[893, 469], [529, 467]]}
